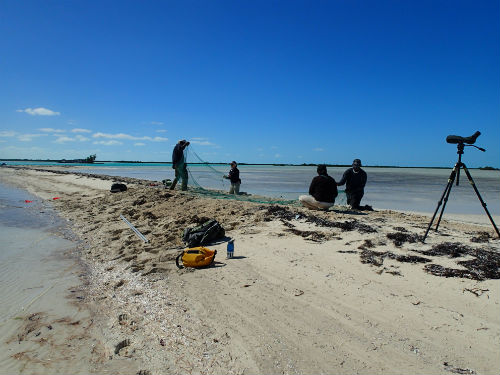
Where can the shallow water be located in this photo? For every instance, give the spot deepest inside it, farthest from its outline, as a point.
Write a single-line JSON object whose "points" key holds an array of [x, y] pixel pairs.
{"points": [[34, 276]]}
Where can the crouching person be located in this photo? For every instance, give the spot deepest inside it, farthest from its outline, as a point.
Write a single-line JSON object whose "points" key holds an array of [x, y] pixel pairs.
{"points": [[322, 191]]}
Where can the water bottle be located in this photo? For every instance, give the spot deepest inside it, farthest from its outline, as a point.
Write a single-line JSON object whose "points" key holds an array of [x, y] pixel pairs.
{"points": [[230, 249]]}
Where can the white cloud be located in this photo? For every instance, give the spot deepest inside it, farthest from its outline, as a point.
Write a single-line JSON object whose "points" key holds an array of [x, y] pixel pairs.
{"points": [[51, 130], [277, 156], [64, 139], [2, 141], [129, 137], [161, 131], [108, 143], [156, 123], [40, 111], [29, 137], [201, 141], [139, 144], [79, 130], [8, 133], [318, 149]]}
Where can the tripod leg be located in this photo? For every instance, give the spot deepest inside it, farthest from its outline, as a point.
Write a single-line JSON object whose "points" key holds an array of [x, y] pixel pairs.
{"points": [[471, 180], [446, 194], [457, 170]]}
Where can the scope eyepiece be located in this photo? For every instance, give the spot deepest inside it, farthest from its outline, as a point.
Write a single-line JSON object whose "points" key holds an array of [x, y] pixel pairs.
{"points": [[454, 139]]}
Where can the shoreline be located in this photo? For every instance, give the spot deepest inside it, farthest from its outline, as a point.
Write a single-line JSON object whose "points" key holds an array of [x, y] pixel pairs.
{"points": [[308, 292]]}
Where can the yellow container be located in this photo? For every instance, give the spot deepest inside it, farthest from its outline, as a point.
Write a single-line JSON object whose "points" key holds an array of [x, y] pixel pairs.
{"points": [[196, 257]]}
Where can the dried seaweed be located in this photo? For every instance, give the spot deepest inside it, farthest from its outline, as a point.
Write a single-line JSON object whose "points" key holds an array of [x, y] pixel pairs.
{"points": [[481, 237], [400, 238], [307, 234], [451, 249], [285, 213], [377, 258]]}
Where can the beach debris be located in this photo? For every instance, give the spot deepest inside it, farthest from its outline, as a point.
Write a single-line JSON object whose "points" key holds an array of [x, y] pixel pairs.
{"points": [[347, 251], [308, 234], [377, 258], [121, 345], [457, 370], [139, 234], [481, 237], [144, 372], [27, 201], [368, 244], [484, 266], [285, 214], [399, 238], [56, 198], [298, 292], [476, 291]]}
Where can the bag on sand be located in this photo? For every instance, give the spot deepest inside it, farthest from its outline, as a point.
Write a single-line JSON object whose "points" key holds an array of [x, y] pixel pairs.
{"points": [[196, 257], [117, 187], [204, 233]]}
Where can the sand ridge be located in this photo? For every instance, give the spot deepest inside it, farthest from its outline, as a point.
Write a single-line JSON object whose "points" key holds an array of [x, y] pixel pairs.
{"points": [[299, 297]]}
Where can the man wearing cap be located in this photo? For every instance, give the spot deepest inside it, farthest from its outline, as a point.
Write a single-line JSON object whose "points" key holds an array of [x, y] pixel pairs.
{"points": [[355, 180], [234, 177], [322, 191], [179, 164]]}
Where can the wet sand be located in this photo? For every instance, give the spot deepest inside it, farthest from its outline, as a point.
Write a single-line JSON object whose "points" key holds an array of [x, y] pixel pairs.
{"points": [[307, 292]]}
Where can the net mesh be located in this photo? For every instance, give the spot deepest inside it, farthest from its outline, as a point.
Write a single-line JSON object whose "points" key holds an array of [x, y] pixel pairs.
{"points": [[203, 170]]}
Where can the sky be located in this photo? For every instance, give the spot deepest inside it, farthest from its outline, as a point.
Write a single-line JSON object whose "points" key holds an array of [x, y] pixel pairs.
{"points": [[251, 81]]}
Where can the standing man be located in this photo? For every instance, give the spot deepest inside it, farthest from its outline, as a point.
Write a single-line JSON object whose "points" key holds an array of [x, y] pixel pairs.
{"points": [[234, 177], [355, 180], [179, 164], [322, 191]]}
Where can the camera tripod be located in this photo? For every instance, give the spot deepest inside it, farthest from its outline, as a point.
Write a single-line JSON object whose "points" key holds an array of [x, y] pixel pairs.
{"points": [[455, 173]]}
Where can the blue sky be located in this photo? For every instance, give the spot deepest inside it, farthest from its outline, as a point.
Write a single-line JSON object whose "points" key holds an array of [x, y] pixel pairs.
{"points": [[252, 81]]}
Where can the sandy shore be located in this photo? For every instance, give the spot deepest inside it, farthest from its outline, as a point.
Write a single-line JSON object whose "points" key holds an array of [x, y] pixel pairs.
{"points": [[335, 292]]}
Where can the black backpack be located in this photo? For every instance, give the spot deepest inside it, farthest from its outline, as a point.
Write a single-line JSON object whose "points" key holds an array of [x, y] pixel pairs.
{"points": [[117, 187], [204, 233]]}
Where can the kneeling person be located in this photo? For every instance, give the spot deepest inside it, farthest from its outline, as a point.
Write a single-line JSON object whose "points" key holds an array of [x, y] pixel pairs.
{"points": [[322, 191]]}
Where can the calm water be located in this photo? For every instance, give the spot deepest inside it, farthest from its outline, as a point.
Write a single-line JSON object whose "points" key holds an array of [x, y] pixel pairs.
{"points": [[413, 189]]}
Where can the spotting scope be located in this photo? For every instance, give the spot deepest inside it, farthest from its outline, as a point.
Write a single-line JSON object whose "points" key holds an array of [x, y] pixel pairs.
{"points": [[455, 139]]}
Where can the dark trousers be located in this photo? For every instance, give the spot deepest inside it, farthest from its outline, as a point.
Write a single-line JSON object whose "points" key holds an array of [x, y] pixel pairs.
{"points": [[181, 173], [354, 198]]}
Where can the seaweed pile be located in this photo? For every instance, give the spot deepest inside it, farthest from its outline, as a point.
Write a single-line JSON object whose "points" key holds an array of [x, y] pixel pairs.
{"points": [[399, 238], [484, 266], [284, 213], [377, 258]]}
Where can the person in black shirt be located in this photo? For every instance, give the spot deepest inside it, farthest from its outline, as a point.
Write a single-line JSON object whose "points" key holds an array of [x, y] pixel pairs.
{"points": [[355, 180], [322, 191], [234, 177], [179, 164]]}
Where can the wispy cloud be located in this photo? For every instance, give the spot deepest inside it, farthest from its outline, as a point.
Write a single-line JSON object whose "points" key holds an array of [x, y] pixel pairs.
{"points": [[156, 123], [8, 133], [51, 130], [80, 130], [29, 137], [161, 131], [277, 156], [40, 111], [318, 149], [201, 141], [129, 137], [139, 144], [64, 139], [108, 143]]}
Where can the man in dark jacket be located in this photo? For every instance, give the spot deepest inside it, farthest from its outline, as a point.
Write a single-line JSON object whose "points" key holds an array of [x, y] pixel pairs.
{"points": [[355, 180], [234, 177], [179, 164], [322, 191]]}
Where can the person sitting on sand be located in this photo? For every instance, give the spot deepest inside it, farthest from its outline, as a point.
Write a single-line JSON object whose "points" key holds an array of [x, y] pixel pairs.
{"points": [[234, 177], [179, 164], [322, 191], [355, 180]]}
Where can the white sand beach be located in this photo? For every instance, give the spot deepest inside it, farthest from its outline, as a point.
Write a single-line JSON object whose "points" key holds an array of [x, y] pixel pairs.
{"points": [[337, 292]]}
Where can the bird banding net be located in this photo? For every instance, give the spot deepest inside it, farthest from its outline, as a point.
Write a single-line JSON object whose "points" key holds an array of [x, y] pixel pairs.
{"points": [[267, 185]]}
